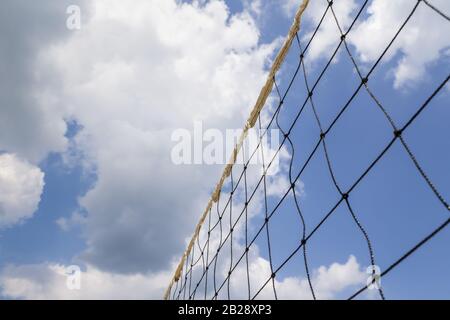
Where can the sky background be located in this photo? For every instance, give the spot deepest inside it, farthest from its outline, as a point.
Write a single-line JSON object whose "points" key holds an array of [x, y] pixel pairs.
{"points": [[86, 118]]}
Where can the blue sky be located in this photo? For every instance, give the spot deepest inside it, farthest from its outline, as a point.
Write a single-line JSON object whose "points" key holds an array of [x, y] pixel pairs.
{"points": [[393, 203], [41, 239]]}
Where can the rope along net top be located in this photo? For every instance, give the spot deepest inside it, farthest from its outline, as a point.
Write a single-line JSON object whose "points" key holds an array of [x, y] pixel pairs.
{"points": [[225, 243]]}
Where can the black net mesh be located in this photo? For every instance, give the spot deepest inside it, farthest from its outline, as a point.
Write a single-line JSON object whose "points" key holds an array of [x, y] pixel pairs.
{"points": [[228, 241]]}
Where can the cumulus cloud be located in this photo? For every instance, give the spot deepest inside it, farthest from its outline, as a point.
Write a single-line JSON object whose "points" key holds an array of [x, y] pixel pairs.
{"points": [[128, 95], [77, 219], [328, 36], [21, 185], [327, 282], [290, 7], [254, 6], [49, 281], [421, 43], [136, 71], [278, 182], [31, 121]]}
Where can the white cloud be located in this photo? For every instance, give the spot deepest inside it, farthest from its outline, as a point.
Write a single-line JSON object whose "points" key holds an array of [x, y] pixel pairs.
{"points": [[327, 282], [421, 43], [290, 7], [136, 71], [21, 186], [63, 223], [279, 184], [337, 277], [48, 281], [254, 6], [31, 121], [328, 36], [75, 220]]}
